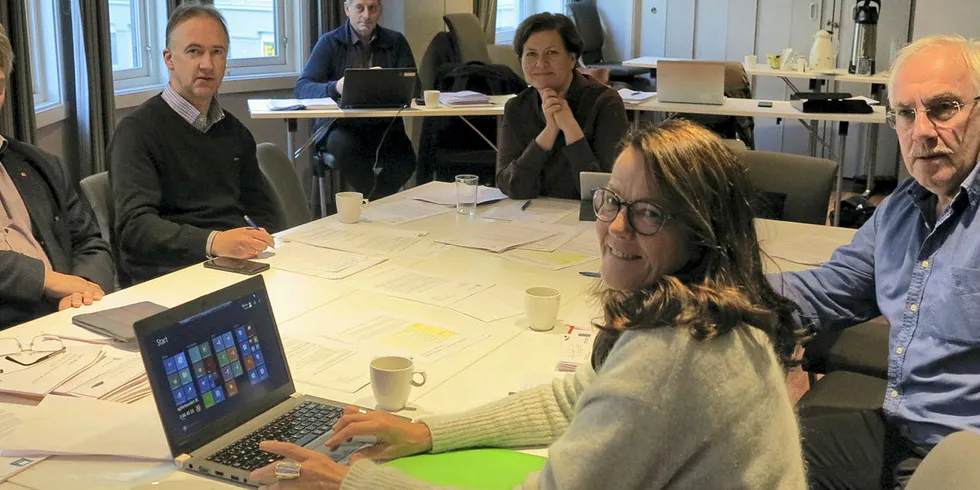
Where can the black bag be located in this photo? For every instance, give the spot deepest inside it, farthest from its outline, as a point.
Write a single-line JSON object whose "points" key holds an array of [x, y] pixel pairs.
{"points": [[854, 212]]}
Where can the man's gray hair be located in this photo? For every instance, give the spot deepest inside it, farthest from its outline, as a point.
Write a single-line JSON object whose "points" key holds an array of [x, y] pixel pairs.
{"points": [[349, 2], [6, 52], [969, 50], [189, 10]]}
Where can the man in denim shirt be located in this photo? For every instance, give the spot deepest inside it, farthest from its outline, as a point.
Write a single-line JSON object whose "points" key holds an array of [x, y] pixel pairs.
{"points": [[917, 263]]}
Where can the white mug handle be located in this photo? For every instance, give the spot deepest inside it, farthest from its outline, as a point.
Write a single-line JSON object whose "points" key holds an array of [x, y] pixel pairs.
{"points": [[364, 202], [424, 378]]}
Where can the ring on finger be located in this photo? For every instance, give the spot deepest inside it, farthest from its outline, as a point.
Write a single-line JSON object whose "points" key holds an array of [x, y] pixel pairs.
{"points": [[287, 470]]}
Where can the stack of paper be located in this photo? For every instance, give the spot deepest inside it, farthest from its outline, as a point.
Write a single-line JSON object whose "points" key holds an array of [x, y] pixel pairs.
{"points": [[466, 97], [633, 97], [446, 195], [39, 379], [576, 349], [366, 239], [401, 212], [117, 377], [10, 419], [324, 363], [94, 427], [497, 236], [384, 333], [320, 262], [562, 235], [431, 289], [300, 104], [539, 210], [579, 250]]}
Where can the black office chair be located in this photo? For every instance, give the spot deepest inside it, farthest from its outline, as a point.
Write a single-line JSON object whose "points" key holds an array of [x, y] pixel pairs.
{"points": [[589, 25]]}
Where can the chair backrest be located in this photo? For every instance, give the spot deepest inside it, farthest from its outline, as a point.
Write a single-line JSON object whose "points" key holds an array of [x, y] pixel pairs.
{"points": [[806, 181], [440, 51], [468, 36], [585, 14], [732, 127], [278, 171], [504, 55], [98, 193]]}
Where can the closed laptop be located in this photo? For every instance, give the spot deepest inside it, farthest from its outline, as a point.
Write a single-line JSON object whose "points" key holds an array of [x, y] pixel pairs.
{"points": [[691, 82]]}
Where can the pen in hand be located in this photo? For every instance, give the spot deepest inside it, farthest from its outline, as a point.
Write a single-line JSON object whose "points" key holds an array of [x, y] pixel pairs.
{"points": [[250, 222], [526, 205], [589, 274]]}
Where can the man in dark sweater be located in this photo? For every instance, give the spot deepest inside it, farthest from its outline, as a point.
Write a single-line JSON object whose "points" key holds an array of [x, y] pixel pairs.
{"points": [[52, 255], [361, 43], [183, 171]]}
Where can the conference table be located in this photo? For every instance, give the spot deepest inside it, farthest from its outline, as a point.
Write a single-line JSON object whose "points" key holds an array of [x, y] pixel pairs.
{"points": [[509, 356]]}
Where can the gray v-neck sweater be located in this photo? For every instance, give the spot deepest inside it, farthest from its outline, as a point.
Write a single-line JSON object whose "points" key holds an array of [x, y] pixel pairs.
{"points": [[664, 411]]}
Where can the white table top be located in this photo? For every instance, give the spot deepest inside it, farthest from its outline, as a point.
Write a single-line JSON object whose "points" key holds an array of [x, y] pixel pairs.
{"points": [[750, 107], [468, 378], [763, 69], [259, 109]]}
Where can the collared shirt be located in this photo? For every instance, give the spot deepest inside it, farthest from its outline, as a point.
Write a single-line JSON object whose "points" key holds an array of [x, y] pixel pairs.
{"points": [[15, 222], [189, 113], [360, 55], [924, 277]]}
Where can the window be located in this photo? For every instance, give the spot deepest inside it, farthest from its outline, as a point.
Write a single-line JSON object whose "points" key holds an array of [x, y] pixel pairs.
{"points": [[257, 31], [510, 13], [128, 37], [45, 54]]}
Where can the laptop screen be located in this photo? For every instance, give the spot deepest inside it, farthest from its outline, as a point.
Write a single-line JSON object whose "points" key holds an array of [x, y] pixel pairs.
{"points": [[214, 361]]}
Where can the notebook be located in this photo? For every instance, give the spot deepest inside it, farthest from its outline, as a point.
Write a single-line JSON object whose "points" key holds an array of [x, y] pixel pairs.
{"points": [[219, 377], [117, 323], [474, 469]]}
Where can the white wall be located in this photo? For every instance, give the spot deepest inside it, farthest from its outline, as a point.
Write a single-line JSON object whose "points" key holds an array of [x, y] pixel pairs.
{"points": [[946, 17]]}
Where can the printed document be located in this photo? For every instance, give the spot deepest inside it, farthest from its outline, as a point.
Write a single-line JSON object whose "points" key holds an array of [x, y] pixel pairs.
{"points": [[385, 333], [539, 210], [9, 422], [357, 238], [497, 236], [39, 379], [327, 364], [445, 195], [562, 235], [401, 212], [579, 250], [320, 262], [117, 370], [494, 304], [405, 283]]}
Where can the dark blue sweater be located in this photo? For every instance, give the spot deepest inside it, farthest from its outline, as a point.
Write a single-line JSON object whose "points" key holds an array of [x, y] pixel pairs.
{"points": [[329, 60]]}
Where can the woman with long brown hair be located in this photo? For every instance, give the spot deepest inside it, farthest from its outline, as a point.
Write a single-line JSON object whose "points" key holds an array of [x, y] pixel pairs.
{"points": [[686, 388]]}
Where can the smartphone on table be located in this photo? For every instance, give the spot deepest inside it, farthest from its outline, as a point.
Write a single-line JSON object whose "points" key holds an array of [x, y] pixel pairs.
{"points": [[240, 266]]}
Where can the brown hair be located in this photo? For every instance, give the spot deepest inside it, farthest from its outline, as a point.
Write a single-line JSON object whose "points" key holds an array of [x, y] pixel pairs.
{"points": [[189, 10], [706, 190], [547, 21], [6, 52]]}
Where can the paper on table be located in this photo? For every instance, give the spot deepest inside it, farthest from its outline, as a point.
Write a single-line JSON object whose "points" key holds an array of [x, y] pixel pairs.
{"points": [[401, 212], [632, 97], [579, 250], [320, 262], [10, 420], [494, 304], [405, 283], [446, 195], [114, 371], [324, 363], [540, 210], [360, 238], [312, 104], [388, 334], [107, 429], [562, 235], [496, 236], [38, 380], [575, 350]]}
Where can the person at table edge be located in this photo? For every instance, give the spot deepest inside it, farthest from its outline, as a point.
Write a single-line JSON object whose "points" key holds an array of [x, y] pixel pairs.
{"points": [[563, 124], [52, 255]]}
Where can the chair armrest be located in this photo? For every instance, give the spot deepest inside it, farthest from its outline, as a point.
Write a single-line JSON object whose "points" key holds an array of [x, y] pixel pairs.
{"points": [[861, 349]]}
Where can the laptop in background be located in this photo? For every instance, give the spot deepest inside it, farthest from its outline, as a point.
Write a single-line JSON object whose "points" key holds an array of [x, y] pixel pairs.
{"points": [[219, 377], [588, 183], [380, 88], [691, 81]]}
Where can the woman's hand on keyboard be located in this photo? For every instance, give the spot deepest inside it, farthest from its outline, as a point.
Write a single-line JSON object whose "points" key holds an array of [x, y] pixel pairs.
{"points": [[317, 471], [397, 437]]}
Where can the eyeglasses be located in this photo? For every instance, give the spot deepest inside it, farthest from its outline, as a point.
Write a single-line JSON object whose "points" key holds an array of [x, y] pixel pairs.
{"points": [[939, 112], [644, 216], [41, 347]]}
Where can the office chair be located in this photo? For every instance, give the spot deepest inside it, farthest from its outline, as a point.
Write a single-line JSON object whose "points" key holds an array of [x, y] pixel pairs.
{"points": [[807, 182], [98, 194], [291, 205], [585, 14]]}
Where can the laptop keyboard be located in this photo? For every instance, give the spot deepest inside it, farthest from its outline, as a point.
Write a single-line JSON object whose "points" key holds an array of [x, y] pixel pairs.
{"points": [[301, 425]]}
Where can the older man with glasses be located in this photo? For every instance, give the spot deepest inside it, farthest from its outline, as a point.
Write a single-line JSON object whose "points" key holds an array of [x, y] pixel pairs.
{"points": [[917, 263]]}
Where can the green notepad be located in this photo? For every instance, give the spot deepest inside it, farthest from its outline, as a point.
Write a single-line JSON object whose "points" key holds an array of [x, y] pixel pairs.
{"points": [[476, 469]]}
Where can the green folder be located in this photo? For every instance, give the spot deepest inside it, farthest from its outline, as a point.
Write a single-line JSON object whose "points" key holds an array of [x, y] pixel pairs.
{"points": [[476, 469]]}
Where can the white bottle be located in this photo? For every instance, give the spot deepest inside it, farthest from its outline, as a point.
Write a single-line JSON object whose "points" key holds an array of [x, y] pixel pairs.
{"points": [[823, 54]]}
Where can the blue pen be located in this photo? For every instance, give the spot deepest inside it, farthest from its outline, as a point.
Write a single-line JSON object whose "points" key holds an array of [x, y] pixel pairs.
{"points": [[525, 205], [589, 274], [250, 222]]}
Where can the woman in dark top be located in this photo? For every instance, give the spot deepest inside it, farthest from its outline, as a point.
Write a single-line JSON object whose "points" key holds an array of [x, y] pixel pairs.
{"points": [[563, 124]]}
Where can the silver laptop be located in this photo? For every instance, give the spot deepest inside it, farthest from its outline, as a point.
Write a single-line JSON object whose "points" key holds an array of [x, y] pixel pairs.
{"points": [[221, 384], [588, 182], [691, 82]]}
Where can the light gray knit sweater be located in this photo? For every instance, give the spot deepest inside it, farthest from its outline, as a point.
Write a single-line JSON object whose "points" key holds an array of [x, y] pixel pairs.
{"points": [[664, 411]]}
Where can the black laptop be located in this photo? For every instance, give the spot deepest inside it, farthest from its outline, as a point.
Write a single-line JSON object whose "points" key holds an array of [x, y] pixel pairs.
{"points": [[382, 88], [221, 384]]}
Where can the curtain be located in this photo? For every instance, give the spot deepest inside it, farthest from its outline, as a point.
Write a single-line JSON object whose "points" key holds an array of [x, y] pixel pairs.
{"points": [[325, 16], [486, 11], [17, 115], [90, 100]]}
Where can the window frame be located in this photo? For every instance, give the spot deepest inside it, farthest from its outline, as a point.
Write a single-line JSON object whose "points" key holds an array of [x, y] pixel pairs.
{"points": [[506, 36], [142, 23], [45, 54], [281, 63], [151, 35]]}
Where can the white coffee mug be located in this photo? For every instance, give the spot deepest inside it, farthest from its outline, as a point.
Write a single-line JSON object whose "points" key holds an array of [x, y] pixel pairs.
{"points": [[349, 206], [750, 61], [541, 307], [392, 379], [431, 99]]}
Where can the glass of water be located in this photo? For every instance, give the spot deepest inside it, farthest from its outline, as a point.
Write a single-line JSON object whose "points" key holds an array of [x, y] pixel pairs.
{"points": [[466, 187]]}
